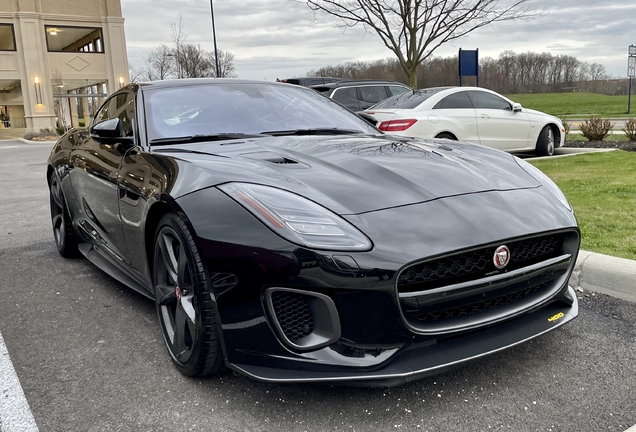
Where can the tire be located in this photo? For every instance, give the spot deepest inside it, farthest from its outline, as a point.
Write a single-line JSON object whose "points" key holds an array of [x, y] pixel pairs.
{"points": [[445, 135], [545, 142], [186, 309], [61, 221]]}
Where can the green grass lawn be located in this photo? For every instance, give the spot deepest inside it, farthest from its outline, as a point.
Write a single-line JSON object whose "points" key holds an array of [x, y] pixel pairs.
{"points": [[578, 104], [601, 188]]}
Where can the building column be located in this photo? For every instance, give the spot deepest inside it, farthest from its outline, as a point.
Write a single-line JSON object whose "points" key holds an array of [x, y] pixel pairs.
{"points": [[74, 115], [87, 116], [39, 111]]}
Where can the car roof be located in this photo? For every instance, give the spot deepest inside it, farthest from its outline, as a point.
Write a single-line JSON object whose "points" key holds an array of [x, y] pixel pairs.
{"points": [[351, 83], [197, 81]]}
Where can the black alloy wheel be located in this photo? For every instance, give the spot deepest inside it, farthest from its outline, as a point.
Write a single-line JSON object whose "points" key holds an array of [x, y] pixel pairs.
{"points": [[60, 219], [185, 306]]}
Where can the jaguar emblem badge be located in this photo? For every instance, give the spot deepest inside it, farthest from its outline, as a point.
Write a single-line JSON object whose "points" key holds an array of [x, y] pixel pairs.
{"points": [[501, 257]]}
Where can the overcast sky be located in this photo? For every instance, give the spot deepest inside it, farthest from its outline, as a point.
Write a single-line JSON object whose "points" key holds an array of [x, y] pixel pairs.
{"points": [[279, 39]]}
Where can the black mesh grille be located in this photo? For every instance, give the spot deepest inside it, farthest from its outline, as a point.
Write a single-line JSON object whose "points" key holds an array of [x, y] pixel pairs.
{"points": [[477, 264], [293, 314], [478, 306]]}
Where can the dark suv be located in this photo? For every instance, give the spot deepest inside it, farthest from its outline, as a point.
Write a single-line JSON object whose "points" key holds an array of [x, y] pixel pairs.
{"points": [[360, 95], [311, 81]]}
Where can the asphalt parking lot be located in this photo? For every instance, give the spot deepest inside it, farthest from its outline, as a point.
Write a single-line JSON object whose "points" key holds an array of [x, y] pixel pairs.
{"points": [[89, 356]]}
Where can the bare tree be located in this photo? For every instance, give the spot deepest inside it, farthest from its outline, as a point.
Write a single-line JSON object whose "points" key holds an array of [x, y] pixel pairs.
{"points": [[414, 29], [226, 64], [184, 60], [160, 64], [194, 62]]}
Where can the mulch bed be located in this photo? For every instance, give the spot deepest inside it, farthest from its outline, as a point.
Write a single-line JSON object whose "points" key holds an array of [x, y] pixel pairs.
{"points": [[623, 145]]}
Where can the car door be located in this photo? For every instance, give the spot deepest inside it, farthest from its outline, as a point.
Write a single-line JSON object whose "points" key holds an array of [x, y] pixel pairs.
{"points": [[455, 113], [499, 126], [94, 176]]}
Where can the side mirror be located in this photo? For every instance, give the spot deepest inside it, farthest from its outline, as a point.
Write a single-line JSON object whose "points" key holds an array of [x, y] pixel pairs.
{"points": [[109, 132], [112, 128], [516, 107]]}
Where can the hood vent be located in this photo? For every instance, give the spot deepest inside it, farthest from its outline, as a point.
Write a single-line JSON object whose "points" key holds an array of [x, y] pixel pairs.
{"points": [[270, 157]]}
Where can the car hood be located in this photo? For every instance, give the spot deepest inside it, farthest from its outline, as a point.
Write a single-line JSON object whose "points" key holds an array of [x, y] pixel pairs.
{"points": [[540, 114], [351, 175]]}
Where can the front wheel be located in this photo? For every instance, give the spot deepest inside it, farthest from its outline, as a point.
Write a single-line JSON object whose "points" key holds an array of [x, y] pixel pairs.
{"points": [[545, 142], [61, 221], [184, 303]]}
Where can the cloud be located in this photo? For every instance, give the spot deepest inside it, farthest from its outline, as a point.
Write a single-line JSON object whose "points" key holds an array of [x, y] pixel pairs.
{"points": [[281, 38]]}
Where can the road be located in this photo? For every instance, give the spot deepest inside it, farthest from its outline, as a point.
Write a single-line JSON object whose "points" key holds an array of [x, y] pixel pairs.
{"points": [[89, 356]]}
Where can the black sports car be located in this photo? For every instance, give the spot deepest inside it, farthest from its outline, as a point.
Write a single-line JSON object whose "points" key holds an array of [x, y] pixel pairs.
{"points": [[284, 237]]}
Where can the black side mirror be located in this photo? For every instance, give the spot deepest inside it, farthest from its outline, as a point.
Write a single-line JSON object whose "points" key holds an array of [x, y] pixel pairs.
{"points": [[112, 128], [109, 132]]}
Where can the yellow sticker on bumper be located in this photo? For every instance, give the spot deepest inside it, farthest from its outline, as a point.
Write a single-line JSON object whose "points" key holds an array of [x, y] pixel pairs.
{"points": [[556, 317]]}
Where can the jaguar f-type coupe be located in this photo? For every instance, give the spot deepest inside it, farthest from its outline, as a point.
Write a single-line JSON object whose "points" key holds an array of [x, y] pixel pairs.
{"points": [[287, 239]]}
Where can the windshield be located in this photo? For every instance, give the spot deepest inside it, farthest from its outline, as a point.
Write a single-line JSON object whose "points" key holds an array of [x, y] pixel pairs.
{"points": [[243, 108], [407, 100]]}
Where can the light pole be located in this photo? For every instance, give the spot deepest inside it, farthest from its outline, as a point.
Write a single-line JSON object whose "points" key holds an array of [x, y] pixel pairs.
{"points": [[631, 72], [216, 52]]}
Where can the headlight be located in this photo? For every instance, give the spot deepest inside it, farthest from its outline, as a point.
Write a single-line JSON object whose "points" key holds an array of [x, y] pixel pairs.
{"points": [[545, 181], [297, 219]]}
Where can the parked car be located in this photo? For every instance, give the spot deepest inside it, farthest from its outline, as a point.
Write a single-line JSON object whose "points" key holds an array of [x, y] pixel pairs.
{"points": [[310, 81], [469, 114], [281, 236], [361, 94]]}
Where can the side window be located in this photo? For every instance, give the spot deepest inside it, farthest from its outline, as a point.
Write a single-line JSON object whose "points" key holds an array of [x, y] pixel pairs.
{"points": [[126, 112], [105, 111], [122, 106], [455, 101], [396, 90], [485, 100], [372, 94], [345, 95]]}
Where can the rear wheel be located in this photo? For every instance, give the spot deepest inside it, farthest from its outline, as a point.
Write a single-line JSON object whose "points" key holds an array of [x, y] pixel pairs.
{"points": [[445, 135], [545, 142], [61, 221], [184, 303]]}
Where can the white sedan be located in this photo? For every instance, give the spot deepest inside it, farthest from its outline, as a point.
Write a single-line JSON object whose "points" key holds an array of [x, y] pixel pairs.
{"points": [[469, 114]]}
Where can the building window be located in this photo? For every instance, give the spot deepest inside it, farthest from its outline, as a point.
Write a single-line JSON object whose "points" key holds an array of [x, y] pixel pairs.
{"points": [[7, 38], [74, 39]]}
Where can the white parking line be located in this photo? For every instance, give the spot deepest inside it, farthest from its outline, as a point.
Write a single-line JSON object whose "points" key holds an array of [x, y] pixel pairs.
{"points": [[6, 147], [631, 429], [15, 414]]}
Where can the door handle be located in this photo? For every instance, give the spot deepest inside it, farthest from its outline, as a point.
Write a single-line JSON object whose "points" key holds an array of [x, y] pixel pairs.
{"points": [[486, 116]]}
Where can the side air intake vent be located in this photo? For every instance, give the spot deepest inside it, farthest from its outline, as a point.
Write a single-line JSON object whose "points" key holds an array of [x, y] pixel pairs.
{"points": [[270, 157], [303, 320]]}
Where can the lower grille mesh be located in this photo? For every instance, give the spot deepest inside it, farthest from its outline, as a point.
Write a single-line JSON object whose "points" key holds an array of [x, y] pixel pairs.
{"points": [[293, 314]]}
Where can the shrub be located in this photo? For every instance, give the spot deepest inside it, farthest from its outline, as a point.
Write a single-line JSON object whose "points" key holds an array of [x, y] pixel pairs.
{"points": [[31, 135], [61, 130], [566, 125], [596, 128], [630, 129]]}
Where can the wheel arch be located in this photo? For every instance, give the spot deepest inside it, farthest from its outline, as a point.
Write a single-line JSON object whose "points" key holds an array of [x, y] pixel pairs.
{"points": [[445, 132], [157, 210]]}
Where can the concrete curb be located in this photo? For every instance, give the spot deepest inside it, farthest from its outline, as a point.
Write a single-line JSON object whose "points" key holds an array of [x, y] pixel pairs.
{"points": [[26, 141], [605, 274]]}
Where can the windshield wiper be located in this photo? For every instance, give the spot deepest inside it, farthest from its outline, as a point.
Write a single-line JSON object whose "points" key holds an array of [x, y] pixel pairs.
{"points": [[200, 138], [318, 131]]}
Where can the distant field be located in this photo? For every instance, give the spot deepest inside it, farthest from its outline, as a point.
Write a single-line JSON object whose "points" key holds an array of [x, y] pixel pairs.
{"points": [[576, 104]]}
